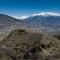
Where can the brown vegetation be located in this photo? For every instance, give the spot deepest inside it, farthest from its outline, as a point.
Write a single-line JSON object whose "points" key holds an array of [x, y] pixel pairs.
{"points": [[23, 45]]}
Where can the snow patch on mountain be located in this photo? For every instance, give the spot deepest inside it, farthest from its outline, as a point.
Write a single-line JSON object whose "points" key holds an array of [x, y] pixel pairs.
{"points": [[46, 14], [24, 17], [21, 17]]}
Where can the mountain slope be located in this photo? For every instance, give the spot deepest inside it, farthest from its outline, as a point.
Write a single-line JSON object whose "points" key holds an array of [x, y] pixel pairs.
{"points": [[49, 21], [46, 22], [8, 23], [26, 45]]}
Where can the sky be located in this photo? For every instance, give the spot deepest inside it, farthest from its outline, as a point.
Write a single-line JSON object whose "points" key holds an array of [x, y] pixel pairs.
{"points": [[28, 7]]}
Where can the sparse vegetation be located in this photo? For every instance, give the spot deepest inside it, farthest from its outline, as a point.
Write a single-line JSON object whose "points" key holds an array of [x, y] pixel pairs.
{"points": [[23, 45], [57, 36]]}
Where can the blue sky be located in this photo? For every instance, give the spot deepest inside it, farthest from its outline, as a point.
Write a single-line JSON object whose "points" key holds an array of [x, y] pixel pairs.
{"points": [[28, 7]]}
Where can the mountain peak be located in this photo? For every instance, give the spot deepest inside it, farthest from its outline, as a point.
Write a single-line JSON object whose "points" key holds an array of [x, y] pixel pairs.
{"points": [[46, 14]]}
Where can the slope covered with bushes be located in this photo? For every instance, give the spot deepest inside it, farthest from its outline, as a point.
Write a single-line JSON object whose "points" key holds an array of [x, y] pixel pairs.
{"points": [[25, 45]]}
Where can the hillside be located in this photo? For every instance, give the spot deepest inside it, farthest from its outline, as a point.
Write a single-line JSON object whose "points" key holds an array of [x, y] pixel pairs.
{"points": [[25, 45], [7, 24], [47, 23], [7, 21]]}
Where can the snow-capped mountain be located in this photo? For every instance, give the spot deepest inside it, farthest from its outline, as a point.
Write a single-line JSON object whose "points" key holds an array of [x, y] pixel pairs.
{"points": [[45, 21], [46, 14]]}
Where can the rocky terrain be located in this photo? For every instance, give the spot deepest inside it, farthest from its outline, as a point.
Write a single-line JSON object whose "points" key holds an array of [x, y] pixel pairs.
{"points": [[47, 23], [34, 38], [21, 44]]}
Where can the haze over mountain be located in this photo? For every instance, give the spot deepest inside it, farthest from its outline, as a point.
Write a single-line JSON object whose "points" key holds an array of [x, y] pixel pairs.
{"points": [[22, 44], [44, 21]]}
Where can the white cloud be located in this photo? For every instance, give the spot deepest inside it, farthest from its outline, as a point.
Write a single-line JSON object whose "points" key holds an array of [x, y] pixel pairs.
{"points": [[21, 17], [38, 14], [16, 17], [46, 14]]}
